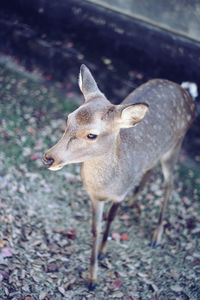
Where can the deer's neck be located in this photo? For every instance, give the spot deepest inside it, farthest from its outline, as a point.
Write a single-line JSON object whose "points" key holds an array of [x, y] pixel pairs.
{"points": [[106, 176]]}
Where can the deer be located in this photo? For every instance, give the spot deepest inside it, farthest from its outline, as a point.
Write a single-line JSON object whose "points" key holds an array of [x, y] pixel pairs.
{"points": [[119, 145]]}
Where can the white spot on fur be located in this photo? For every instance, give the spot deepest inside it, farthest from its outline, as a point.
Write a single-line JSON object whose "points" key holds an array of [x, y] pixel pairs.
{"points": [[182, 124], [181, 102], [188, 117]]}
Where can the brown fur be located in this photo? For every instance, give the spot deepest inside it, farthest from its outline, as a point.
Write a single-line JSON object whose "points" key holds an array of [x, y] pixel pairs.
{"points": [[84, 116]]}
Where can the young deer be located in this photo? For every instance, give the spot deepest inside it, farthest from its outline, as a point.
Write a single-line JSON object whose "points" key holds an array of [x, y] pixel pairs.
{"points": [[115, 153]]}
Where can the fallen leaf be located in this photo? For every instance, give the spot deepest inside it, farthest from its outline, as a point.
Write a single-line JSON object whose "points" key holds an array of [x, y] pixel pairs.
{"points": [[124, 236], [80, 56], [48, 77], [2, 243], [117, 294], [52, 267], [31, 130], [125, 217], [107, 61], [58, 43], [142, 274], [61, 290], [71, 234], [191, 224], [116, 236], [70, 95], [68, 85], [131, 73], [34, 157], [69, 44], [176, 288], [42, 295], [106, 264], [139, 76], [196, 261], [117, 284], [71, 177], [6, 252], [4, 274]]}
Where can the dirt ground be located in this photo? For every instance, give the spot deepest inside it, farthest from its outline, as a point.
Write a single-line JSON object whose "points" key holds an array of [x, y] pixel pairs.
{"points": [[45, 216]]}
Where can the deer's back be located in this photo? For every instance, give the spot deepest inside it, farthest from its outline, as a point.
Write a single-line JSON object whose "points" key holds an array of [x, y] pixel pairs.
{"points": [[171, 112], [166, 99]]}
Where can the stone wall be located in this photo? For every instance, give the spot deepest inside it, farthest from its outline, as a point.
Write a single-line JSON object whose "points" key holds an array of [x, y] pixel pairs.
{"points": [[181, 17]]}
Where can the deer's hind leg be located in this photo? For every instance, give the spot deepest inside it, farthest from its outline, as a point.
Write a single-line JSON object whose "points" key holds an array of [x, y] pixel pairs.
{"points": [[139, 188], [110, 217], [168, 162]]}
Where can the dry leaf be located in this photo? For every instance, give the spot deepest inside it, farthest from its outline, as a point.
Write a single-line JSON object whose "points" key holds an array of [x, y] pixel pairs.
{"points": [[125, 217], [124, 236], [6, 252], [117, 284], [116, 236]]}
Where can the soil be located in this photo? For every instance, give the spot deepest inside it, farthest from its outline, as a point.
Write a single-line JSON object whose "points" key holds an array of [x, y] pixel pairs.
{"points": [[45, 216]]}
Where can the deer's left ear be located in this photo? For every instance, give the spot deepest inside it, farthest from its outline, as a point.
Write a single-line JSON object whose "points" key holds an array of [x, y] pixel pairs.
{"points": [[131, 115], [88, 84]]}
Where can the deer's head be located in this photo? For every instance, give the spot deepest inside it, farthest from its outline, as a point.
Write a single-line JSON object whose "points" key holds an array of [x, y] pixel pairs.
{"points": [[92, 128]]}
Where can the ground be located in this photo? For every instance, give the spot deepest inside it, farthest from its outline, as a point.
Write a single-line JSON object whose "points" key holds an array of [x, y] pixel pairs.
{"points": [[45, 216]]}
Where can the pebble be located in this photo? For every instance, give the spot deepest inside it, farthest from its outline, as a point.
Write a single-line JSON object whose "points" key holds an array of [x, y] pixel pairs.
{"points": [[117, 294], [176, 288]]}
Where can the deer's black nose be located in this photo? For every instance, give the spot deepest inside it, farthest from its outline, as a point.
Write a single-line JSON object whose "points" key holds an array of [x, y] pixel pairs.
{"points": [[47, 161]]}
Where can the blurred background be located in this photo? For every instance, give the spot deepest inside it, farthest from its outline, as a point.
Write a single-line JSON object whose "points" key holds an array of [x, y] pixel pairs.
{"points": [[45, 216], [124, 44]]}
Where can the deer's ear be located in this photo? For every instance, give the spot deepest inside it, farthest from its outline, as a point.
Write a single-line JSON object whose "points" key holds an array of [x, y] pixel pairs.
{"points": [[131, 115], [87, 84]]}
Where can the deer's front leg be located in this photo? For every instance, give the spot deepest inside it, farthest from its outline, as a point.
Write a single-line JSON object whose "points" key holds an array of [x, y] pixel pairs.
{"points": [[97, 212]]}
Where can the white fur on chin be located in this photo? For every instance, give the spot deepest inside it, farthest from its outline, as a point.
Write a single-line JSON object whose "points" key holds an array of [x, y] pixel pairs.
{"points": [[56, 168]]}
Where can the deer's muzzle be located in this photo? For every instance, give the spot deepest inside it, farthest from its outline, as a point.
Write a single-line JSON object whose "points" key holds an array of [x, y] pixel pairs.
{"points": [[47, 161]]}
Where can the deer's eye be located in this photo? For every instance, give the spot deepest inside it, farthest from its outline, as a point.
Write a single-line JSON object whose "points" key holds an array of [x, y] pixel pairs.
{"points": [[91, 136]]}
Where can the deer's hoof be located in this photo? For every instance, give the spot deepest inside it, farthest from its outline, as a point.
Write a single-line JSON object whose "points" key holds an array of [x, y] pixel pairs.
{"points": [[92, 286], [101, 256], [154, 244], [125, 206]]}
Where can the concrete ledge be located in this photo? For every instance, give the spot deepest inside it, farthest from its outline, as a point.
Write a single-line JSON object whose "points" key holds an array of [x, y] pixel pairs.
{"points": [[178, 17], [102, 31]]}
